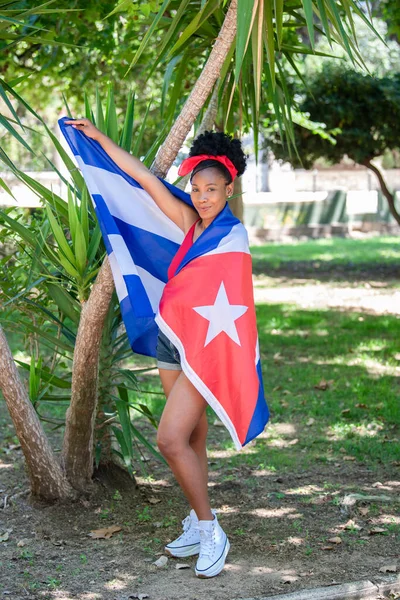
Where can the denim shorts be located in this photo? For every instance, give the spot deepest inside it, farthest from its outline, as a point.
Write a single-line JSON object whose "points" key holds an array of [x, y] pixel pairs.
{"points": [[167, 355]]}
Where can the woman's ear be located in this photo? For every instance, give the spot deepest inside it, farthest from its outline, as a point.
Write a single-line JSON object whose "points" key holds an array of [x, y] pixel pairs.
{"points": [[229, 190]]}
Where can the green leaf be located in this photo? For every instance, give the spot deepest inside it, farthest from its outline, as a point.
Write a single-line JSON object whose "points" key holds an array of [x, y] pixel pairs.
{"points": [[21, 230], [270, 43], [84, 214], [308, 10], [59, 236], [149, 33], [246, 12], [147, 444], [278, 5], [126, 136], [47, 376], [111, 116], [94, 244], [100, 123], [200, 18], [65, 302]]}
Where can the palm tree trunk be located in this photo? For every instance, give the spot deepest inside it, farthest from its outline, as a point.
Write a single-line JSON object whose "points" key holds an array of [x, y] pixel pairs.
{"points": [[46, 476], [385, 190], [236, 204], [78, 443], [78, 438]]}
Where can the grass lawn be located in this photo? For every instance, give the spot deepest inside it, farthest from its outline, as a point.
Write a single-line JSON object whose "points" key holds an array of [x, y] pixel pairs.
{"points": [[382, 249], [354, 361]]}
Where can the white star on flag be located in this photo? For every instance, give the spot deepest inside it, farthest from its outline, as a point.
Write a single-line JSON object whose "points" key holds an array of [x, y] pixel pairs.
{"points": [[221, 316]]}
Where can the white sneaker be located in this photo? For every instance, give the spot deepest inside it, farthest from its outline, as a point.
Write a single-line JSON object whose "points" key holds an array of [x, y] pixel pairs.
{"points": [[188, 543], [214, 546]]}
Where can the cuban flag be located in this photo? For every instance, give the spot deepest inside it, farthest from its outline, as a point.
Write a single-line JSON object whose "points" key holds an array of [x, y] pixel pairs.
{"points": [[206, 310]]}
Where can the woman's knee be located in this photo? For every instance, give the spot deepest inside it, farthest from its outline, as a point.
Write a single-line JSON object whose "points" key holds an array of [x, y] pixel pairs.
{"points": [[168, 444]]}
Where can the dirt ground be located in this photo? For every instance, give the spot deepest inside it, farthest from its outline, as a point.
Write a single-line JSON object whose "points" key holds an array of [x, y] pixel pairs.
{"points": [[288, 531], [279, 529]]}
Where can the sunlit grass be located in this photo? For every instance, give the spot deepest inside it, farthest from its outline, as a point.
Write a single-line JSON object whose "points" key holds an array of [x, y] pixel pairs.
{"points": [[382, 249]]}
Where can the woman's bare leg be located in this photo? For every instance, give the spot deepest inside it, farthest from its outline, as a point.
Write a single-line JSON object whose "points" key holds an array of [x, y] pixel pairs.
{"points": [[184, 411], [198, 438]]}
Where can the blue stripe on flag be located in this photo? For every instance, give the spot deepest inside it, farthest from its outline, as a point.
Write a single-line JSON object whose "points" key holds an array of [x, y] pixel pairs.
{"points": [[94, 155], [219, 228], [138, 318], [261, 412], [145, 247]]}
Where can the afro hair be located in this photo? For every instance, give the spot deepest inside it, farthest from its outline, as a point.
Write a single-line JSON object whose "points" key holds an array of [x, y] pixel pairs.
{"points": [[219, 143]]}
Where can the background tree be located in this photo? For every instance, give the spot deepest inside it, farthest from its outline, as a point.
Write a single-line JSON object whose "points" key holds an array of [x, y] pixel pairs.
{"points": [[361, 119]]}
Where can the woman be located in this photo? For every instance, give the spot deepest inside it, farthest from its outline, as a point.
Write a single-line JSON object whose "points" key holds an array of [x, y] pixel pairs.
{"points": [[214, 161]]}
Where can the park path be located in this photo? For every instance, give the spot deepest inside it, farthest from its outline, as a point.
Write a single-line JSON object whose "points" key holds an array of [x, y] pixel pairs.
{"points": [[372, 297]]}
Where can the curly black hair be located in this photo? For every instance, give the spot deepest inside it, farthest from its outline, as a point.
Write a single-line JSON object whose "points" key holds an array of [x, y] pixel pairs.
{"points": [[219, 143]]}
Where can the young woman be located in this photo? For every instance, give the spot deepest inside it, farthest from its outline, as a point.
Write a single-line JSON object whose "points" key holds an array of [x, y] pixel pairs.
{"points": [[214, 161]]}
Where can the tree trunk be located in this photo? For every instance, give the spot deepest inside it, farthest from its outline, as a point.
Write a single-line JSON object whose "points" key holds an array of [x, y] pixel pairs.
{"points": [[236, 204], [78, 437], [385, 190], [78, 442], [46, 477]]}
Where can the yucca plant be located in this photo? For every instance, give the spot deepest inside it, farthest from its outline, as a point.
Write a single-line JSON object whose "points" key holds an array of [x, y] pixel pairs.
{"points": [[47, 283]]}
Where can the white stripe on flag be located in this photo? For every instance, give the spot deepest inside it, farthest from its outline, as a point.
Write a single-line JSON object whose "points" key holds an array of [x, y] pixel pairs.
{"points": [[236, 241], [154, 287], [119, 281], [131, 204]]}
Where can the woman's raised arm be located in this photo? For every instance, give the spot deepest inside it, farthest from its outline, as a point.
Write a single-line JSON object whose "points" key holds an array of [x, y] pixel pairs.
{"points": [[180, 213]]}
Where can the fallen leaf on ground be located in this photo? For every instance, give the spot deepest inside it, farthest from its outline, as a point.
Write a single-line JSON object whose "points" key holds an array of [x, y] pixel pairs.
{"points": [[153, 500], [361, 405], [363, 510], [323, 384], [289, 579], [218, 423], [182, 566], [376, 531], [388, 569], [351, 525], [345, 411], [105, 532], [348, 457], [377, 484], [310, 421], [138, 596], [4, 536], [21, 544], [327, 548], [335, 540], [276, 388], [278, 357], [161, 562]]}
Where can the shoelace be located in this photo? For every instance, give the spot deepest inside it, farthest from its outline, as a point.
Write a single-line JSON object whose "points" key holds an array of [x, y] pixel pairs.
{"points": [[207, 542], [186, 523]]}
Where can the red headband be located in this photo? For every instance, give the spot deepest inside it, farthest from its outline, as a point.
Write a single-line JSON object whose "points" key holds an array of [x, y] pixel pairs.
{"points": [[190, 163]]}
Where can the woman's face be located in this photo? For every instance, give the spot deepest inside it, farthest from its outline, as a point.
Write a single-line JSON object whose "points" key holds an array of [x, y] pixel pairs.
{"points": [[209, 193]]}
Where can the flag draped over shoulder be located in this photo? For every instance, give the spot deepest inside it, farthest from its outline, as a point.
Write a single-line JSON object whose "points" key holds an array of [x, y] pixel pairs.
{"points": [[206, 309]]}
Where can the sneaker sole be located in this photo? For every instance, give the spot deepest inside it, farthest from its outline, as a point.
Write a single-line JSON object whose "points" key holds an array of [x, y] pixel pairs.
{"points": [[183, 552], [217, 567]]}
